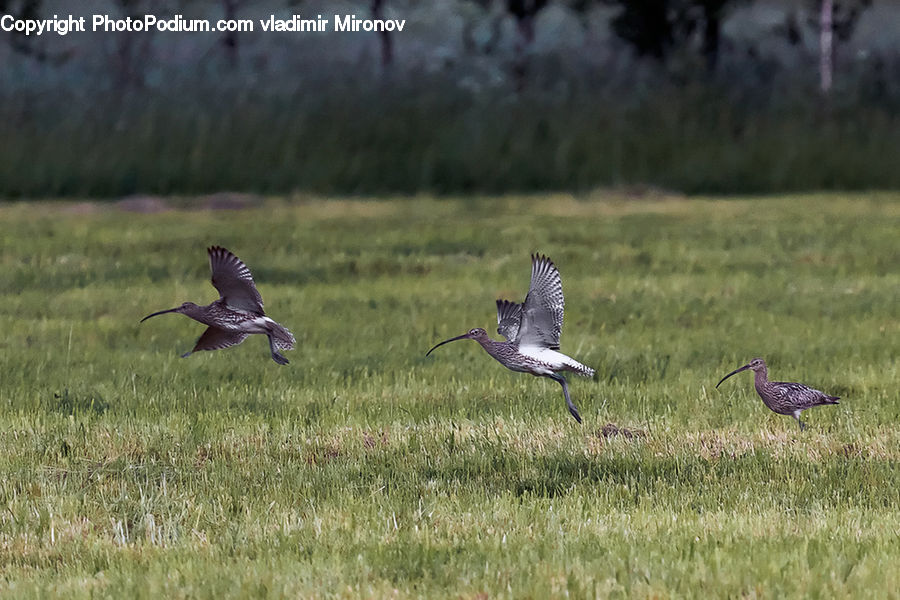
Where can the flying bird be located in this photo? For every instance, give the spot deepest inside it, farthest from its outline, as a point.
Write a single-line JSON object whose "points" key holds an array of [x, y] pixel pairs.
{"points": [[783, 397], [237, 313], [532, 331]]}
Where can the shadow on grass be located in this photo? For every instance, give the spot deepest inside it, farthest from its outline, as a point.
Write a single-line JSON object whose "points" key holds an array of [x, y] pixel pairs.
{"points": [[72, 403], [680, 480]]}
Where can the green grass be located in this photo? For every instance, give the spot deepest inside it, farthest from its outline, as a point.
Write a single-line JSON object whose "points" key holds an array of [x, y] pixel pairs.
{"points": [[364, 469], [422, 138]]}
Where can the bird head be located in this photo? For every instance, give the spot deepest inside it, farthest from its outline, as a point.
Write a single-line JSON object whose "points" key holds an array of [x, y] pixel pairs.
{"points": [[477, 334], [756, 365]]}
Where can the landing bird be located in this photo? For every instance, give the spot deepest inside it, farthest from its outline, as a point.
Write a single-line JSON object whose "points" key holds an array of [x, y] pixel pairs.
{"points": [[532, 331], [237, 313], [782, 397]]}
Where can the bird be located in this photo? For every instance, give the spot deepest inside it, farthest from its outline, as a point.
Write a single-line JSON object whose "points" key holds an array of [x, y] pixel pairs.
{"points": [[532, 331], [237, 313], [782, 397]]}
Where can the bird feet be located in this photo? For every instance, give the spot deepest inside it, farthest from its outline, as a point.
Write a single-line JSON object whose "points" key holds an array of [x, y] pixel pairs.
{"points": [[573, 410], [279, 359]]}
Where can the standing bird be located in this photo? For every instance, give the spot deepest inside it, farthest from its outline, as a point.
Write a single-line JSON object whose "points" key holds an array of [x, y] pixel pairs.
{"points": [[532, 331], [782, 397], [237, 313]]}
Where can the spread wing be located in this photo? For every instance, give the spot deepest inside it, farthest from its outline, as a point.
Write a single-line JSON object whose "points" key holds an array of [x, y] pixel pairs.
{"points": [[216, 339], [509, 314], [233, 280], [542, 312]]}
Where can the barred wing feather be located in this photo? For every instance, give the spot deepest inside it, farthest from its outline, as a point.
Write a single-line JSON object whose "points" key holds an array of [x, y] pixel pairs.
{"points": [[509, 315], [233, 280], [801, 396], [216, 339], [542, 312]]}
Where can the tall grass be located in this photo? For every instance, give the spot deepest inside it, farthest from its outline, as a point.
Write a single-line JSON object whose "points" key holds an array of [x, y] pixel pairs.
{"points": [[365, 469], [431, 137]]}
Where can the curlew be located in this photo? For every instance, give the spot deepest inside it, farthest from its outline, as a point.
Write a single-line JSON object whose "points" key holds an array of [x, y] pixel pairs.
{"points": [[237, 313], [784, 398], [532, 331]]}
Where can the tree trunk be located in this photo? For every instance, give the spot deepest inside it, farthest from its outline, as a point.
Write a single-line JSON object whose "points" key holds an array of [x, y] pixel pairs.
{"points": [[826, 45], [387, 44], [525, 26], [711, 29], [230, 41]]}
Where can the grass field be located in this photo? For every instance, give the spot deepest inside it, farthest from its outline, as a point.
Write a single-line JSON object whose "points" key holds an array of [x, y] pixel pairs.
{"points": [[363, 469]]}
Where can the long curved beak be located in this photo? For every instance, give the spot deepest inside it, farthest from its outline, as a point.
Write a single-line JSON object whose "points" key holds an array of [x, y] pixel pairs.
{"points": [[459, 337], [744, 368], [162, 312]]}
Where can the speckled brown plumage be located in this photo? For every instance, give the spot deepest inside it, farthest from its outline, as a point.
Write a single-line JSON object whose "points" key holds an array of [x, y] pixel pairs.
{"points": [[783, 397], [237, 313], [532, 330]]}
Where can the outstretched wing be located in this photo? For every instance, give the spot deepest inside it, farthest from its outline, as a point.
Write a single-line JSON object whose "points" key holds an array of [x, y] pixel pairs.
{"points": [[233, 280], [542, 312], [509, 314], [216, 339]]}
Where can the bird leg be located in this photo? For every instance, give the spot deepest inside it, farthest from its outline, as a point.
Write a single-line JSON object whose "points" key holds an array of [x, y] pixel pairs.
{"points": [[801, 423], [572, 408], [281, 360]]}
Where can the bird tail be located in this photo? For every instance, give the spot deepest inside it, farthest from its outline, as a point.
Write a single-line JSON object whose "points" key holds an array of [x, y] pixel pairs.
{"points": [[832, 399], [284, 339], [580, 369]]}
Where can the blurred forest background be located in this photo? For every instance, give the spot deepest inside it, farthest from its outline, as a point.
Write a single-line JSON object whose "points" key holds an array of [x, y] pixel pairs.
{"points": [[473, 96]]}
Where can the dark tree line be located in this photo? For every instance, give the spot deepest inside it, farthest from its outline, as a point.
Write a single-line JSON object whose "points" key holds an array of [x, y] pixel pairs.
{"points": [[661, 29], [657, 28], [654, 29]]}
